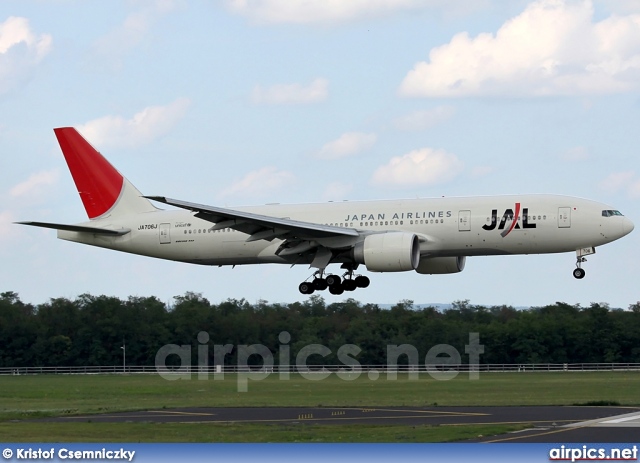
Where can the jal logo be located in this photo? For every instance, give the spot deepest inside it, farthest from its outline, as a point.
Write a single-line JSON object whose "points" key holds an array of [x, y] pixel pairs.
{"points": [[513, 217]]}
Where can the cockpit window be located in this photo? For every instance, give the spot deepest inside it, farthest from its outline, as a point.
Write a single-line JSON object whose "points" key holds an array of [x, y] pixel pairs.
{"points": [[610, 213]]}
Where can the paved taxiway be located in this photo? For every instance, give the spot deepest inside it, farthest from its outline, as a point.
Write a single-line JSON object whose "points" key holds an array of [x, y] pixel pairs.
{"points": [[550, 424], [622, 427]]}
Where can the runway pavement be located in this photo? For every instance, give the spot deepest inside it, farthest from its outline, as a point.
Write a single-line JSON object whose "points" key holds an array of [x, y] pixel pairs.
{"points": [[548, 423], [623, 427]]}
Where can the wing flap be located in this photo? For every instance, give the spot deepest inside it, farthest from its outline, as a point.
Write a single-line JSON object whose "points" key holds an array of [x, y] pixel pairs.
{"points": [[266, 234]]}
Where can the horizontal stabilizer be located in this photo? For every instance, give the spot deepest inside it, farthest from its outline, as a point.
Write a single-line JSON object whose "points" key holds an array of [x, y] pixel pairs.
{"points": [[78, 228]]}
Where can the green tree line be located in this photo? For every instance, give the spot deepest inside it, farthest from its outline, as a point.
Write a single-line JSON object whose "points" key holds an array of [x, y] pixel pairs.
{"points": [[90, 330]]}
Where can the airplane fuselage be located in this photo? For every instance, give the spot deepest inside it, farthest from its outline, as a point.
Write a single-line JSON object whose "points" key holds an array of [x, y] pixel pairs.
{"points": [[457, 226]]}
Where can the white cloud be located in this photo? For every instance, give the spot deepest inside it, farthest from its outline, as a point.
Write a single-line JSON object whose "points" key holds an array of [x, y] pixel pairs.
{"points": [[144, 127], [34, 183], [424, 166], [625, 181], [259, 182], [20, 51], [325, 11], [111, 49], [315, 92], [634, 189], [348, 144], [336, 191], [552, 48], [425, 119]]}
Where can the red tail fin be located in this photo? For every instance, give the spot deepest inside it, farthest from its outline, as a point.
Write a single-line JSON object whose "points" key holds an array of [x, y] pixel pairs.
{"points": [[98, 182]]}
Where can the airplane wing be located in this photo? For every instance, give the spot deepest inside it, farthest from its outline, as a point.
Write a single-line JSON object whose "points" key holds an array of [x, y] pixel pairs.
{"points": [[77, 228], [259, 226]]}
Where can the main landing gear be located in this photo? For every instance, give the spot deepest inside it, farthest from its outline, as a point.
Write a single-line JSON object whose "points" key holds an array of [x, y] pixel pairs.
{"points": [[334, 283], [579, 272]]}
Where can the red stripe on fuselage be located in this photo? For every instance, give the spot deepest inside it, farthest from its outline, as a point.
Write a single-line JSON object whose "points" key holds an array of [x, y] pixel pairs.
{"points": [[515, 219], [98, 182]]}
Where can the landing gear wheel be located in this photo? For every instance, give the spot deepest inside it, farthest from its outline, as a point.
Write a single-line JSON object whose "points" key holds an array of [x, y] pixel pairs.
{"points": [[336, 289], [579, 273], [349, 285], [306, 288], [333, 280], [320, 284], [362, 281]]}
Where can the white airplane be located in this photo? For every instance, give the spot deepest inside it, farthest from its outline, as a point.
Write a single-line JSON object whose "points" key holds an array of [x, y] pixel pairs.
{"points": [[429, 236]]}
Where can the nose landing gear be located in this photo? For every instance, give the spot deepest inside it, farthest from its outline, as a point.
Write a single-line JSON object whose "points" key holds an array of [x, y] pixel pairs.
{"points": [[579, 272]]}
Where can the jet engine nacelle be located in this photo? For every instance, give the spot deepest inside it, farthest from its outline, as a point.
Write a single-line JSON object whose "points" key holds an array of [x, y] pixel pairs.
{"points": [[440, 265], [388, 252]]}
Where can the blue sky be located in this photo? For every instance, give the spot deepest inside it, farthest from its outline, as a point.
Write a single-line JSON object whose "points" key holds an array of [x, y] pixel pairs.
{"points": [[236, 102]]}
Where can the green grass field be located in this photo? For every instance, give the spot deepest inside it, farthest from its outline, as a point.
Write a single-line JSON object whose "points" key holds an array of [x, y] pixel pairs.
{"points": [[246, 432], [29, 397]]}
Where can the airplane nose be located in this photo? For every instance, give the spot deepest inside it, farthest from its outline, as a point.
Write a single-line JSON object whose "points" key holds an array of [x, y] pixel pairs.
{"points": [[627, 226]]}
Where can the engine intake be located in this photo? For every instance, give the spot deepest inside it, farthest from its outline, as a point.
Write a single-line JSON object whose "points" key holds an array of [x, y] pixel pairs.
{"points": [[388, 252], [441, 265]]}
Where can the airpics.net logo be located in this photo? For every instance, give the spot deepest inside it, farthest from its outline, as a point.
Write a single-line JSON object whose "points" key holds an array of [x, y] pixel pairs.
{"points": [[587, 453], [441, 362]]}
